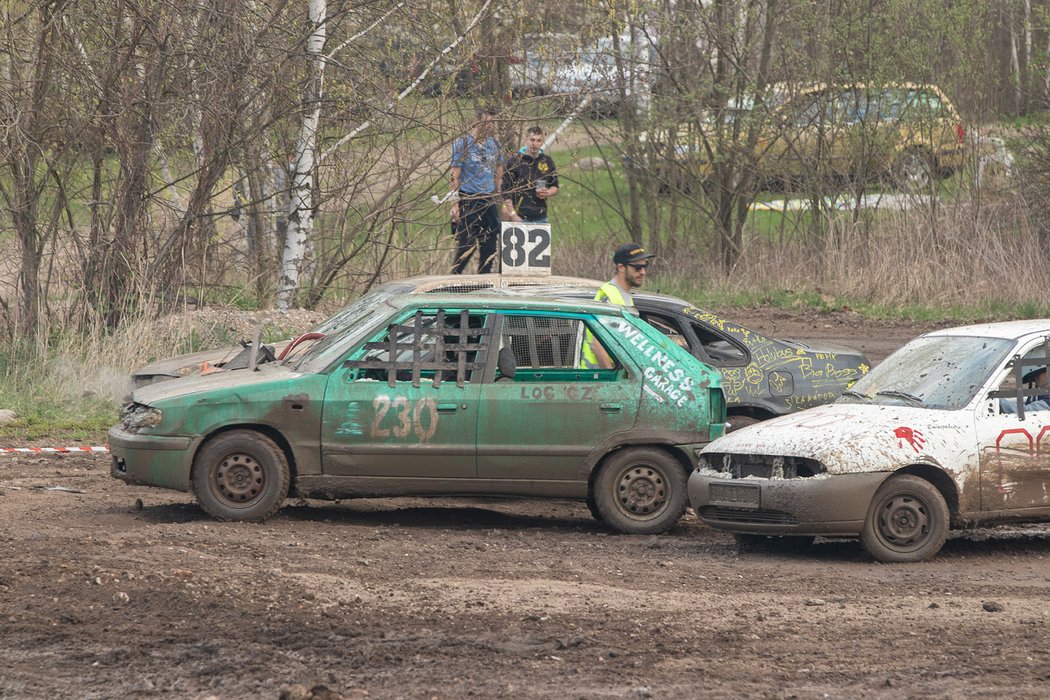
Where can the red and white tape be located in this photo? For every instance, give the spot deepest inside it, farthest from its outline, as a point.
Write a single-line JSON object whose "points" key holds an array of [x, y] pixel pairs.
{"points": [[52, 450]]}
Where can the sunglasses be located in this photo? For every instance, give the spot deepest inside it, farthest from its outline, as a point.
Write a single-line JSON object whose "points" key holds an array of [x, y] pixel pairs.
{"points": [[638, 267]]}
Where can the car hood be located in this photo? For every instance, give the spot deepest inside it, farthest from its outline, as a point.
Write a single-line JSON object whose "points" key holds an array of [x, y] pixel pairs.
{"points": [[194, 363], [822, 348], [855, 437], [181, 365], [197, 383]]}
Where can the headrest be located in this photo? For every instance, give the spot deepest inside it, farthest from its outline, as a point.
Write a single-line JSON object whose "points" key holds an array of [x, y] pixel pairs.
{"points": [[505, 362]]}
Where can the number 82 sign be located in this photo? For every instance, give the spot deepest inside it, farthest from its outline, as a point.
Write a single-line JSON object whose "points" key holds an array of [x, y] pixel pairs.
{"points": [[525, 249]]}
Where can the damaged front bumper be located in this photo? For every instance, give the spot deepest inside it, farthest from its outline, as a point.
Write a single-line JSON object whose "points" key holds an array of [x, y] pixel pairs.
{"points": [[819, 505], [151, 460]]}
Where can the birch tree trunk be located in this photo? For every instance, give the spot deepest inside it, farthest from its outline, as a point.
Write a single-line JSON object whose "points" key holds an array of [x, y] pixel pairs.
{"points": [[1015, 63], [300, 211]]}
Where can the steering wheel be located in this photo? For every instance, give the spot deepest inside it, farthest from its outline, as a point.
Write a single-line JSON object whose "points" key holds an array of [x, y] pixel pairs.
{"points": [[312, 335]]}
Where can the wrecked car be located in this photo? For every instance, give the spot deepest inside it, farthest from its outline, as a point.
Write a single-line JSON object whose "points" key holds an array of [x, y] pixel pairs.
{"points": [[762, 377], [437, 394], [951, 431], [239, 356]]}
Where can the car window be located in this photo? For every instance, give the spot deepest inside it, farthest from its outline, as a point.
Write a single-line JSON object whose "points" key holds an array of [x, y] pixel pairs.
{"points": [[432, 346], [721, 351], [668, 327], [939, 372], [346, 328], [547, 346], [1035, 394], [847, 107], [923, 102], [323, 352], [353, 314]]}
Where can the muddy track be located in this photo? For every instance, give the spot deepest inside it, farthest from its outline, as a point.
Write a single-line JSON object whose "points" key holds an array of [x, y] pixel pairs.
{"points": [[496, 598]]}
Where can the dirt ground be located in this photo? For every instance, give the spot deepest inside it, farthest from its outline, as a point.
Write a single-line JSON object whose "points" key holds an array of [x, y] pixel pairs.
{"points": [[115, 591]]}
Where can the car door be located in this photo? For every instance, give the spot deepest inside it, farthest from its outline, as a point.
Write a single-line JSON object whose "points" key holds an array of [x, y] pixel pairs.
{"points": [[1015, 451], [406, 403], [541, 423]]}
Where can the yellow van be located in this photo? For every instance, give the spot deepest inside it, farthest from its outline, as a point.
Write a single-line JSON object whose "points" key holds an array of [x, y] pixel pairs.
{"points": [[906, 132]]}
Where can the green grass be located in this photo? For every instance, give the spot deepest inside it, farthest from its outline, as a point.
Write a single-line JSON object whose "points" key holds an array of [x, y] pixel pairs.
{"points": [[39, 417]]}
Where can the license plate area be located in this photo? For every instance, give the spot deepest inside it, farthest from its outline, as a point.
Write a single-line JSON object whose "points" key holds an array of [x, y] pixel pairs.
{"points": [[735, 495]]}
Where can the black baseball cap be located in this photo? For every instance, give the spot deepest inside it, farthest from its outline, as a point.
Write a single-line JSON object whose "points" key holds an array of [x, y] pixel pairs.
{"points": [[1032, 375], [631, 253]]}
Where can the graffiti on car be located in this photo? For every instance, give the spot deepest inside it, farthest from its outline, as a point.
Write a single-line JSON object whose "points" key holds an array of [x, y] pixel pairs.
{"points": [[913, 437], [663, 374]]}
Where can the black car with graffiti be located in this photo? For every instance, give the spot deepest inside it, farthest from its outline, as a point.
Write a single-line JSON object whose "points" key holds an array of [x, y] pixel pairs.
{"points": [[762, 377]]}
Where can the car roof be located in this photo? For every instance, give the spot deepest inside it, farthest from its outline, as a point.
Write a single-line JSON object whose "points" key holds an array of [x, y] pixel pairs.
{"points": [[498, 302], [469, 283], [575, 291], [1015, 330]]}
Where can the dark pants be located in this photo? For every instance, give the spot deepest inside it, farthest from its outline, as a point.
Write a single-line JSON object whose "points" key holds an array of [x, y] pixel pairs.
{"points": [[478, 227]]}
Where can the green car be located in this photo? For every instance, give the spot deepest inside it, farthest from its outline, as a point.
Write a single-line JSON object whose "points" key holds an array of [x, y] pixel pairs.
{"points": [[432, 395]]}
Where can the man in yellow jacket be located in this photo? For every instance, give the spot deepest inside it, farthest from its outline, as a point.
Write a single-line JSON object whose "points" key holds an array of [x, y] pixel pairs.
{"points": [[632, 265]]}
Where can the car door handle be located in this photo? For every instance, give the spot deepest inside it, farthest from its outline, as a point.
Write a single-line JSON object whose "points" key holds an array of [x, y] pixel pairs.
{"points": [[610, 407], [449, 407]]}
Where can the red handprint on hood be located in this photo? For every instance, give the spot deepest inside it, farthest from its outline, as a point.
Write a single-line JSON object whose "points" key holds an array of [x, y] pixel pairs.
{"points": [[912, 437]]}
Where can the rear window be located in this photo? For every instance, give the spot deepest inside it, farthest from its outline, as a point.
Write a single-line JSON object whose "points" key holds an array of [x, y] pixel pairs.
{"points": [[540, 341]]}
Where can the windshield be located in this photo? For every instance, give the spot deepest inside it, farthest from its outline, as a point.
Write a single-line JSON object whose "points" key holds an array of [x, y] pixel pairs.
{"points": [[345, 328], [939, 372]]}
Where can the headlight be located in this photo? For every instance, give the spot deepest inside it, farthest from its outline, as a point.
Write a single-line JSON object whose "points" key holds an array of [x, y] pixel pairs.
{"points": [[136, 416]]}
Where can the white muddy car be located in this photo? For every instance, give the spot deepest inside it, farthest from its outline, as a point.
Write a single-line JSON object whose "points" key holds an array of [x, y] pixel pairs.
{"points": [[929, 440]]}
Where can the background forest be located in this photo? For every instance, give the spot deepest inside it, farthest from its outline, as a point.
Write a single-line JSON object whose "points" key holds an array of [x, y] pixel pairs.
{"points": [[158, 156]]}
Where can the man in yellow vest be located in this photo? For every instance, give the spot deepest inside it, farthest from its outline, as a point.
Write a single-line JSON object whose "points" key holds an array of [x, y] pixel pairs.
{"points": [[632, 265]]}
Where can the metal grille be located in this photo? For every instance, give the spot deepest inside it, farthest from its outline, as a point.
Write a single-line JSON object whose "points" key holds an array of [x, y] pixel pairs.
{"points": [[540, 341], [448, 345], [734, 515], [458, 288]]}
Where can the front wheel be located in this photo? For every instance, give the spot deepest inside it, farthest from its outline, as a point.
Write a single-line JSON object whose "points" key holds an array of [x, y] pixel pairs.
{"points": [[241, 475], [907, 520], [640, 491]]}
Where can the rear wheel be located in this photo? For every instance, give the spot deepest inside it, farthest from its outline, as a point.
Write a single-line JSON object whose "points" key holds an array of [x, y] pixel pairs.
{"points": [[640, 490], [907, 520], [241, 475]]}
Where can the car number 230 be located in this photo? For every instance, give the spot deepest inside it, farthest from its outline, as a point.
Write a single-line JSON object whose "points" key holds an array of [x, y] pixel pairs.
{"points": [[418, 418]]}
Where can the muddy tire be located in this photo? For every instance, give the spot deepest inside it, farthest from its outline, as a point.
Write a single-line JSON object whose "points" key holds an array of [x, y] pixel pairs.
{"points": [[593, 507], [907, 521], [241, 475], [640, 491]]}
